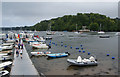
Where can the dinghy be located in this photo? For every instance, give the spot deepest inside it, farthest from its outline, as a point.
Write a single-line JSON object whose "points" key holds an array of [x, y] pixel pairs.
{"points": [[85, 62], [40, 53], [10, 40], [7, 44], [6, 47], [58, 55], [40, 39], [104, 36], [2, 65], [3, 73], [5, 58], [42, 46], [48, 38]]}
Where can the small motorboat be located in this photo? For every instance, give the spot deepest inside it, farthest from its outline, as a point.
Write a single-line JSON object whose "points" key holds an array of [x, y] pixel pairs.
{"points": [[5, 58], [3, 73], [7, 44], [50, 32], [40, 45], [40, 53], [9, 40], [2, 65], [58, 55], [117, 34], [104, 36], [85, 62], [6, 47], [101, 32], [40, 39], [33, 42], [48, 38], [28, 39]]}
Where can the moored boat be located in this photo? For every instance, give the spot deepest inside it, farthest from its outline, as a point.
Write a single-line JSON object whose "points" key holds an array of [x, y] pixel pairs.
{"points": [[6, 47], [4, 73], [104, 36], [58, 55], [85, 62], [42, 46], [40, 53]]}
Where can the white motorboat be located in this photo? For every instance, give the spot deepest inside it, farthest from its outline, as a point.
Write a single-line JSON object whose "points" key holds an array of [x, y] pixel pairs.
{"points": [[29, 39], [3, 54], [2, 65], [117, 34], [50, 32], [6, 47], [40, 53], [48, 38], [7, 44], [3, 73], [85, 62], [104, 36], [33, 42], [5, 58], [42, 46], [101, 32], [40, 39], [10, 40]]}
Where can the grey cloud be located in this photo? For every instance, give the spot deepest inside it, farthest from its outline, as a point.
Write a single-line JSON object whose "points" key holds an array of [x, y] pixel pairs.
{"points": [[29, 13]]}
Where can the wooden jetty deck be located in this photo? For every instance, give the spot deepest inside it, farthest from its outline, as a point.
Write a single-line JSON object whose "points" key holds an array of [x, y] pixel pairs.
{"points": [[24, 66]]}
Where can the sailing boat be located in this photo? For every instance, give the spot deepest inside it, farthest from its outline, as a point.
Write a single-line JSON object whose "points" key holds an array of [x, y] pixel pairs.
{"points": [[101, 32], [49, 32], [76, 30]]}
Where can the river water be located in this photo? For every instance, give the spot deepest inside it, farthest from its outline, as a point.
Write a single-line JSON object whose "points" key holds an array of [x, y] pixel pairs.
{"points": [[91, 42]]}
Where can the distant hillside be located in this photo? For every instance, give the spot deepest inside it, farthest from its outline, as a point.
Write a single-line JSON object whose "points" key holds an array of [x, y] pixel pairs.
{"points": [[92, 21], [69, 22]]}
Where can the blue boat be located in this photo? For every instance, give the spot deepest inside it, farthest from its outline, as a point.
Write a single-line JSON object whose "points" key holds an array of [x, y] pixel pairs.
{"points": [[58, 55]]}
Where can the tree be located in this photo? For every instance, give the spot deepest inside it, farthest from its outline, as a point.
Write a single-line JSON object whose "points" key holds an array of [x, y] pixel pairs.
{"points": [[94, 26]]}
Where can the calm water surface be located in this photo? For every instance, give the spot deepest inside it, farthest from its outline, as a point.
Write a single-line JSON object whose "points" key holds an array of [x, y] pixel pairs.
{"points": [[98, 47]]}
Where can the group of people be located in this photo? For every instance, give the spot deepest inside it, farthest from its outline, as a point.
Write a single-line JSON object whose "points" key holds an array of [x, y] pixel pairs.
{"points": [[19, 48]]}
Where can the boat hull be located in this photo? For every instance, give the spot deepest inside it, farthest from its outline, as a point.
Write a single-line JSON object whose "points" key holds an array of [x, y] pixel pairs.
{"points": [[74, 62], [57, 55]]}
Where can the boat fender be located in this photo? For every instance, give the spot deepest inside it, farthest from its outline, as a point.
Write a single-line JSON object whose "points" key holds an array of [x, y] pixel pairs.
{"points": [[79, 50], [71, 47], [65, 46]]}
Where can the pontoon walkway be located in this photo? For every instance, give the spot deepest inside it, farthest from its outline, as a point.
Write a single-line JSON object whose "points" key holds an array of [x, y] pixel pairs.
{"points": [[24, 66]]}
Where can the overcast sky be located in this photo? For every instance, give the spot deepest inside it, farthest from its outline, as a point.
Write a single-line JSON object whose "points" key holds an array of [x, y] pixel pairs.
{"points": [[29, 13]]}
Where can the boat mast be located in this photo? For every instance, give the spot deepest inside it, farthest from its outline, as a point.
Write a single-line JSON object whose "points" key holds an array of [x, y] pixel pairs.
{"points": [[100, 27], [76, 27]]}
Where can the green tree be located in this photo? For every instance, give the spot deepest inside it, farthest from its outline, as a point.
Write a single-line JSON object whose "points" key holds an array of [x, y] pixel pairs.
{"points": [[94, 26]]}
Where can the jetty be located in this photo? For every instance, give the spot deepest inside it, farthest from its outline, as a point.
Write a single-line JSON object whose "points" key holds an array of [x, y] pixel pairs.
{"points": [[23, 67]]}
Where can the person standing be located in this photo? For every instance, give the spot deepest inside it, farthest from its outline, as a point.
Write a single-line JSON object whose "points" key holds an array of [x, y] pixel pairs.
{"points": [[22, 45], [21, 52], [19, 45], [17, 52]]}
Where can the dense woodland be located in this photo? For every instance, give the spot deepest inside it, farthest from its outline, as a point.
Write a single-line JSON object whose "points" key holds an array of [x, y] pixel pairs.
{"points": [[68, 23]]}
